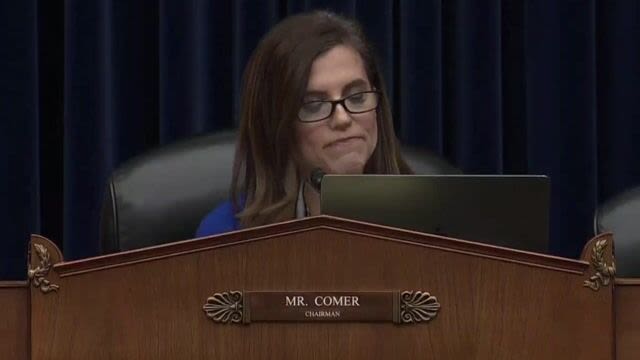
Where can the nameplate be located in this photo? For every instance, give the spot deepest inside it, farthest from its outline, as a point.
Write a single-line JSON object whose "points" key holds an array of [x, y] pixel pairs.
{"points": [[400, 307]]}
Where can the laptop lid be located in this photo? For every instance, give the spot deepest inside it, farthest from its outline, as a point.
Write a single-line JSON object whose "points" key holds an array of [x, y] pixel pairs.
{"points": [[504, 210]]}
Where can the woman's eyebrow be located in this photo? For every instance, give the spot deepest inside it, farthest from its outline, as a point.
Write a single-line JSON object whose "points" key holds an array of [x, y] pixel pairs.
{"points": [[315, 93], [323, 94], [353, 84]]}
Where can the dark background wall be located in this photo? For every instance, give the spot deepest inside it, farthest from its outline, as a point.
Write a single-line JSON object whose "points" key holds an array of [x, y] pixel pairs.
{"points": [[507, 87]]}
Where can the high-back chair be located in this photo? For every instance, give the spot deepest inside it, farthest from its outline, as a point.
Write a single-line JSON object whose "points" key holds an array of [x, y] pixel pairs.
{"points": [[161, 196], [621, 215]]}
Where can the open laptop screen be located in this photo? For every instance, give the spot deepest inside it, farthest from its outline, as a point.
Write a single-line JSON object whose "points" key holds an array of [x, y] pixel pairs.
{"points": [[504, 210]]}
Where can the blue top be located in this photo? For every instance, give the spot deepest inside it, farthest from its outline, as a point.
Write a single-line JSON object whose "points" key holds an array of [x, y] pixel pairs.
{"points": [[222, 219]]}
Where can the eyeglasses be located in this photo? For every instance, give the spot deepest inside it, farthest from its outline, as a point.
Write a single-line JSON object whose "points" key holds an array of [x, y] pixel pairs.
{"points": [[355, 104]]}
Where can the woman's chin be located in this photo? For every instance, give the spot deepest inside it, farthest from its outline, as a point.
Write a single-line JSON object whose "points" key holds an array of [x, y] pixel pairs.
{"points": [[347, 167]]}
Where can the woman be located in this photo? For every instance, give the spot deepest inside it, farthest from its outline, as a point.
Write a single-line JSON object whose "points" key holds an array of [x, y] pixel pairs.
{"points": [[313, 97]]}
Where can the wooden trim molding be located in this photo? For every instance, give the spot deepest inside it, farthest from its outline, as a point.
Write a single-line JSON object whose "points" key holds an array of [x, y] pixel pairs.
{"points": [[314, 223], [14, 284], [627, 281]]}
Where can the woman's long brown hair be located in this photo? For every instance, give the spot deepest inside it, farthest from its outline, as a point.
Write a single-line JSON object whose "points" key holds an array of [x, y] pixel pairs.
{"points": [[265, 180]]}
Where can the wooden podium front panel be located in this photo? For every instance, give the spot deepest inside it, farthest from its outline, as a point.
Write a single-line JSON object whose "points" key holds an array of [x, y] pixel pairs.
{"points": [[627, 319], [149, 304], [14, 320]]}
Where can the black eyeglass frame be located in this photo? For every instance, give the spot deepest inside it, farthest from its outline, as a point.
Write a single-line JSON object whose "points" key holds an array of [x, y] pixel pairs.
{"points": [[344, 106]]}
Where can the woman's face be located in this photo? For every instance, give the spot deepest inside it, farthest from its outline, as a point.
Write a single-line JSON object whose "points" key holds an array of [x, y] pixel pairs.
{"points": [[343, 142]]}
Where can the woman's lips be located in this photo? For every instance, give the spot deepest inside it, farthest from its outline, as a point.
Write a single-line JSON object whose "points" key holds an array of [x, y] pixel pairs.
{"points": [[346, 140], [345, 143]]}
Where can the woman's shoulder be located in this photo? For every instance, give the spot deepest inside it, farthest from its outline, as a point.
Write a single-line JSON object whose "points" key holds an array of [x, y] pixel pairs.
{"points": [[220, 220]]}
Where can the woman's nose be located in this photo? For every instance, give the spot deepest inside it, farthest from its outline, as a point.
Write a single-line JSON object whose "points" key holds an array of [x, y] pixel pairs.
{"points": [[341, 117]]}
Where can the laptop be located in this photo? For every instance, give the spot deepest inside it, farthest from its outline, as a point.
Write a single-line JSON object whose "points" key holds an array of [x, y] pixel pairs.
{"points": [[505, 210]]}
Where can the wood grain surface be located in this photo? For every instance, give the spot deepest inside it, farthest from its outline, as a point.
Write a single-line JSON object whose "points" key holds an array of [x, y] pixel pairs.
{"points": [[14, 320], [496, 303], [627, 298]]}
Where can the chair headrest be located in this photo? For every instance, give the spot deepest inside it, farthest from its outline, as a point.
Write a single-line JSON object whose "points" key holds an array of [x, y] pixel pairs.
{"points": [[162, 195], [424, 162], [621, 215]]}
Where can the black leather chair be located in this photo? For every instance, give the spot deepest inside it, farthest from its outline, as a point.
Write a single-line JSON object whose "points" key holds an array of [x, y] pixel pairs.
{"points": [[621, 215], [162, 195]]}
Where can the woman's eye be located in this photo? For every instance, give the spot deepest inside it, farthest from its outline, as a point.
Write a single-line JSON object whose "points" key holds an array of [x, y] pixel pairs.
{"points": [[357, 98], [312, 107]]}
